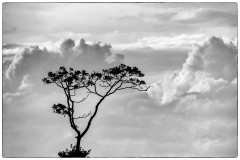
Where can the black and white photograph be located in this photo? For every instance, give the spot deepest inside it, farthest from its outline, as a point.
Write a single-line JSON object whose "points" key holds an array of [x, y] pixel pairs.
{"points": [[119, 79]]}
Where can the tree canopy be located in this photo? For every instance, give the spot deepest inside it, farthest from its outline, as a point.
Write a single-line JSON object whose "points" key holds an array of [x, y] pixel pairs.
{"points": [[111, 80]]}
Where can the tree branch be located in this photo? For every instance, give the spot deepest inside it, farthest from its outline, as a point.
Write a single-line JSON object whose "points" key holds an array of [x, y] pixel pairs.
{"points": [[70, 114], [115, 83], [89, 91], [95, 88], [58, 84], [84, 116], [84, 98], [134, 87], [90, 120], [115, 89]]}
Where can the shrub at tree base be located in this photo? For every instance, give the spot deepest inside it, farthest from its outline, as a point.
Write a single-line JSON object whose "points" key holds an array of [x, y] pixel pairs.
{"points": [[73, 153]]}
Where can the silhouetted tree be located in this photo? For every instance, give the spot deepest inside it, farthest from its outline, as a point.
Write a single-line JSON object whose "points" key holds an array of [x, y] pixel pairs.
{"points": [[111, 80]]}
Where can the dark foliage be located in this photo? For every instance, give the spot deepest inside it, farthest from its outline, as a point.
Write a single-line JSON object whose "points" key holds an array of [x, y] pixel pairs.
{"points": [[73, 153], [112, 80]]}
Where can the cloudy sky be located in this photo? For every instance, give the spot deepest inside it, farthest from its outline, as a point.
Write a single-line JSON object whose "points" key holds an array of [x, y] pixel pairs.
{"points": [[187, 51]]}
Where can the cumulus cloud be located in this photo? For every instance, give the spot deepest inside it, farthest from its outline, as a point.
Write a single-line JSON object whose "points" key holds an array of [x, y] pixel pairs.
{"points": [[11, 52], [10, 49], [96, 50], [215, 57], [23, 75], [38, 62], [26, 61], [65, 45], [209, 67]]}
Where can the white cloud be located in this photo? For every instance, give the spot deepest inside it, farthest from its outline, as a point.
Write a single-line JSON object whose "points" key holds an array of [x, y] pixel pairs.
{"points": [[182, 41], [36, 60], [25, 83], [27, 60], [199, 127], [116, 32], [196, 113], [209, 68], [71, 34], [215, 57], [201, 16], [183, 123], [11, 51], [48, 45], [8, 97], [207, 103]]}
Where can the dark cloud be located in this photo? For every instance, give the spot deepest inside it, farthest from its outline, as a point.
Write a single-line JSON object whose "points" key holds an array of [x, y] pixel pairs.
{"points": [[66, 45]]}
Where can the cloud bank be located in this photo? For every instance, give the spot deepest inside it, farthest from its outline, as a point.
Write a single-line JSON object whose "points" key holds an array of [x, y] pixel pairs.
{"points": [[37, 62], [191, 112]]}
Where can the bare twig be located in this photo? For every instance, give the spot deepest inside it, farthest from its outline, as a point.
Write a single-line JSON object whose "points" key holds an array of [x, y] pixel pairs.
{"points": [[82, 99], [84, 115]]}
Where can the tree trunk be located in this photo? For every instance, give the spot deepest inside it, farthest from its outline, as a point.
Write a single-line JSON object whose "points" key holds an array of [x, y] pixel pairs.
{"points": [[78, 144]]}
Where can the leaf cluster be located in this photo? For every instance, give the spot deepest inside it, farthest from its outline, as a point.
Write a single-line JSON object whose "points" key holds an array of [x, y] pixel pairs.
{"points": [[121, 73], [79, 79], [61, 109], [70, 78]]}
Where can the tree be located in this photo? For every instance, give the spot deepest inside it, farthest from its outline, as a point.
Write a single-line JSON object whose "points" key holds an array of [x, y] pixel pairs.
{"points": [[110, 80]]}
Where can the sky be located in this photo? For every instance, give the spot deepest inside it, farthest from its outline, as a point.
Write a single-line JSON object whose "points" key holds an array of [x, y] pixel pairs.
{"points": [[187, 51]]}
